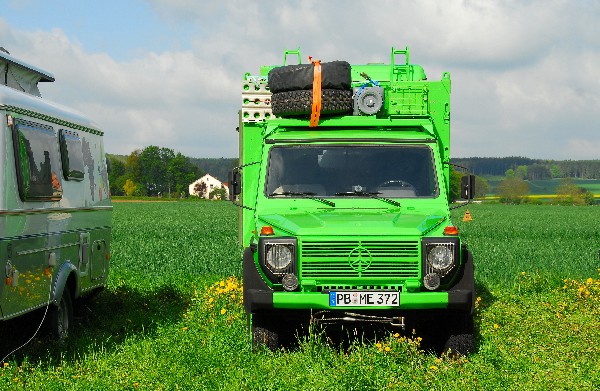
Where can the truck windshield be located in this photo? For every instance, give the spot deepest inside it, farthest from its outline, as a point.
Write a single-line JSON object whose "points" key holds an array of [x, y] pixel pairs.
{"points": [[352, 171]]}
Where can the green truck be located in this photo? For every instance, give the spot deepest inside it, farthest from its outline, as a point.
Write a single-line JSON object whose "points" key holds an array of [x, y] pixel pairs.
{"points": [[343, 187]]}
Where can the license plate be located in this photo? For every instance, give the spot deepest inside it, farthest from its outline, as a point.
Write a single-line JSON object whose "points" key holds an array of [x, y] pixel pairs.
{"points": [[364, 299]]}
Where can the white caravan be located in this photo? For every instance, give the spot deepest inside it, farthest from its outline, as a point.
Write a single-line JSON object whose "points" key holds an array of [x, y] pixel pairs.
{"points": [[55, 208]]}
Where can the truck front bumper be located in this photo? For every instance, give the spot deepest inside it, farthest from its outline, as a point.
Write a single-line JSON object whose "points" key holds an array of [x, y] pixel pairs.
{"points": [[258, 300], [258, 296]]}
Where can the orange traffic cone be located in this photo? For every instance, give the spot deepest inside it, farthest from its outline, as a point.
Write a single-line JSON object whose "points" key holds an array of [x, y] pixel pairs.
{"points": [[467, 216]]}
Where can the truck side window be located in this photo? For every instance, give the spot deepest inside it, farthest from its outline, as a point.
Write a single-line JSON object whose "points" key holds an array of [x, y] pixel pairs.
{"points": [[36, 160], [71, 154]]}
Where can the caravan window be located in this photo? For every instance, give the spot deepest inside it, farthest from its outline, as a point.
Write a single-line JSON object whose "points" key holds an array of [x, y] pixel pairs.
{"points": [[36, 159], [71, 153]]}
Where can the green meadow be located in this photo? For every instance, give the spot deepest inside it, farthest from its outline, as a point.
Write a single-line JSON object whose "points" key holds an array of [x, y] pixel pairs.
{"points": [[171, 317]]}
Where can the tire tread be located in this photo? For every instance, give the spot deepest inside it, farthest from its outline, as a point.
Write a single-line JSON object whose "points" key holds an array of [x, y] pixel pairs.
{"points": [[299, 102]]}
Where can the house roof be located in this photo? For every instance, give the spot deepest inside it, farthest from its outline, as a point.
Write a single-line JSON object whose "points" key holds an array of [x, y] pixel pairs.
{"points": [[207, 176]]}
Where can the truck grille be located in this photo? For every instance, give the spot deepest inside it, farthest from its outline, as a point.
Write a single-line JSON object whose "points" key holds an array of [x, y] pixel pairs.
{"points": [[357, 258]]}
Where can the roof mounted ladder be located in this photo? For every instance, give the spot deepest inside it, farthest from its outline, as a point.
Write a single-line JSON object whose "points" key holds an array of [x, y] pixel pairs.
{"points": [[397, 72]]}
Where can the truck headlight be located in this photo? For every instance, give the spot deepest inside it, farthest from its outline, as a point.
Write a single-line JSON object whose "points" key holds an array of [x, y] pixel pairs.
{"points": [[441, 258], [277, 257]]}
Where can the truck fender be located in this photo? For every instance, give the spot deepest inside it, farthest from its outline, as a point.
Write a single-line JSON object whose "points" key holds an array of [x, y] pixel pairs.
{"points": [[257, 294], [462, 295]]}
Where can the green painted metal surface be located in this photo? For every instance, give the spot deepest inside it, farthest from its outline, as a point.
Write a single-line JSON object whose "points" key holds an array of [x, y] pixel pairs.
{"points": [[331, 227]]}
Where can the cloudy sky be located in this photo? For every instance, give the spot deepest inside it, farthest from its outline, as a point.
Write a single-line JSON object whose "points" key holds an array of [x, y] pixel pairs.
{"points": [[525, 74]]}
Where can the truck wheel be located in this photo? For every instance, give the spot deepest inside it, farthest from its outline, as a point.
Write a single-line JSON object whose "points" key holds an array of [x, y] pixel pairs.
{"points": [[460, 340], [264, 332], [299, 102], [334, 75], [60, 317]]}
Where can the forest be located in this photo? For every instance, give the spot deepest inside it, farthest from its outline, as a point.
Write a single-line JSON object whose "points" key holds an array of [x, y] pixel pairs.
{"points": [[159, 171], [533, 169]]}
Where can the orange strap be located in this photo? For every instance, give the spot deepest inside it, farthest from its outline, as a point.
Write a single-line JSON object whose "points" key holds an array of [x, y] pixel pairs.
{"points": [[316, 101]]}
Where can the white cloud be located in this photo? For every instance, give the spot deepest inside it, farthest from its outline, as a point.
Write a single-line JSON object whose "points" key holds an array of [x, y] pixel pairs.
{"points": [[575, 147], [167, 99], [526, 77], [535, 111]]}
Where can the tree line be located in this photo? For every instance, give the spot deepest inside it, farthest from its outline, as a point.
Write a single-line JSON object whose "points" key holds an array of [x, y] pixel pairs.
{"points": [[533, 169], [515, 190], [158, 171], [217, 167], [152, 171]]}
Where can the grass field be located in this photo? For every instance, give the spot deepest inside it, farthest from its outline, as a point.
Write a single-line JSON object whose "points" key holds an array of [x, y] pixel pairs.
{"points": [[171, 317]]}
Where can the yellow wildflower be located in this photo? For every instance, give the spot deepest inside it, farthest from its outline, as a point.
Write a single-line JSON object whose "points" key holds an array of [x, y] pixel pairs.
{"points": [[223, 310]]}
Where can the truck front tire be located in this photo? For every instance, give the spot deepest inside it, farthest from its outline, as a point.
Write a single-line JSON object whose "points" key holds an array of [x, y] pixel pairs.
{"points": [[265, 332], [460, 338]]}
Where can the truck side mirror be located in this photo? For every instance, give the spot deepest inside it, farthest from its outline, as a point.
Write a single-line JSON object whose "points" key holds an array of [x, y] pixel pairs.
{"points": [[467, 187], [235, 183]]}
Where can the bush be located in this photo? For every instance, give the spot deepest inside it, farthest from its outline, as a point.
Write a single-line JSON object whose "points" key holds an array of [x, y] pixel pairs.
{"points": [[568, 193], [513, 190]]}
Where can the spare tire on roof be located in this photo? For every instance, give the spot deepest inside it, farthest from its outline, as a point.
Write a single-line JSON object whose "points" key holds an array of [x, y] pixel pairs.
{"points": [[299, 102], [335, 75]]}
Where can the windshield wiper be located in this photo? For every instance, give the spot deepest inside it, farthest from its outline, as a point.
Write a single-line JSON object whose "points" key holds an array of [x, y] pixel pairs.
{"points": [[305, 194], [368, 194]]}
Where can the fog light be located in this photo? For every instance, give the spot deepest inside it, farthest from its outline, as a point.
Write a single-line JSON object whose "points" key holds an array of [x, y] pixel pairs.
{"points": [[431, 281], [290, 282]]}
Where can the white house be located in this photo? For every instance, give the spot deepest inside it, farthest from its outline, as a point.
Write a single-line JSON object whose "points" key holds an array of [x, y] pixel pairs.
{"points": [[204, 186]]}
